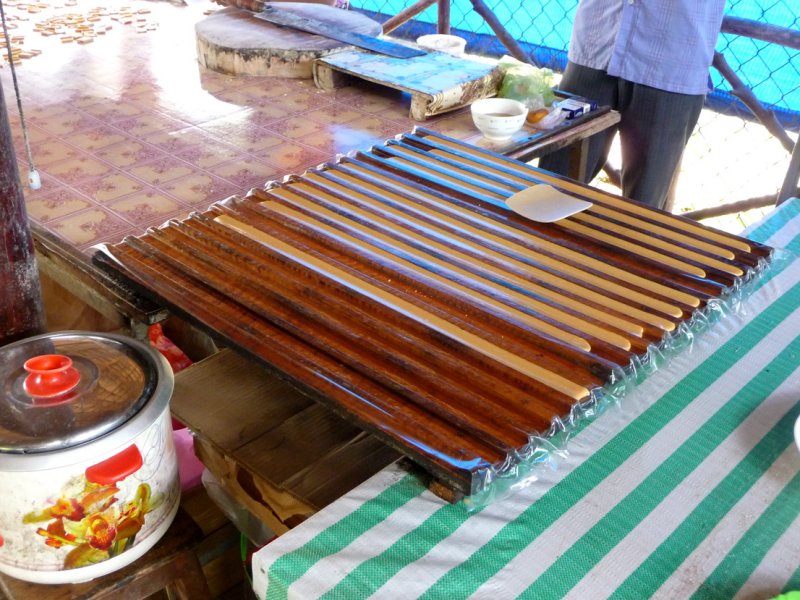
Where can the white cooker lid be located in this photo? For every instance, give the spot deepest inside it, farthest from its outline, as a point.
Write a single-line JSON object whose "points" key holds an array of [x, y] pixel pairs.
{"points": [[65, 389]]}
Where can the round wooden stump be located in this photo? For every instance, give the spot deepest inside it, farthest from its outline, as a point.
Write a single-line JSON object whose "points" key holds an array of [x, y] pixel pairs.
{"points": [[234, 42]]}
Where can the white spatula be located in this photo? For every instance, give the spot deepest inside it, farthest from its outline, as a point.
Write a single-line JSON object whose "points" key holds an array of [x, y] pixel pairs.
{"points": [[545, 204]]}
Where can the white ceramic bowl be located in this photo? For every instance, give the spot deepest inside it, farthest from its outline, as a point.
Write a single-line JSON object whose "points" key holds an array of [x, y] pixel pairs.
{"points": [[439, 42], [498, 118]]}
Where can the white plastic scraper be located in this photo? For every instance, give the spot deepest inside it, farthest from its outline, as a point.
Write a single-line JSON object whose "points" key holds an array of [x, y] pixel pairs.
{"points": [[545, 204]]}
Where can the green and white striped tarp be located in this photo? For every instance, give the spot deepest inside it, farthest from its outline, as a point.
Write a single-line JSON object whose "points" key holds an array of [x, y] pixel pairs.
{"points": [[690, 488]]}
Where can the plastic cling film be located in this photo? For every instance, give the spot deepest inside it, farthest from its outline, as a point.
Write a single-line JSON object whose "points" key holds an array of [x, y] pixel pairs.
{"points": [[546, 450]]}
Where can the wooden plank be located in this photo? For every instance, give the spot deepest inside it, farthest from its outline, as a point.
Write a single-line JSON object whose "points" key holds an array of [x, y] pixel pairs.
{"points": [[275, 451], [74, 271], [231, 401], [278, 509], [437, 82]]}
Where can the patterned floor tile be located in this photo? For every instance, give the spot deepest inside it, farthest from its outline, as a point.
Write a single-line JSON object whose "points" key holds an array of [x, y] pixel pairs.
{"points": [[240, 132], [210, 154], [65, 124], [296, 127], [200, 190], [268, 112], [247, 173], [372, 125], [113, 185], [112, 112], [50, 150], [80, 168], [291, 158], [162, 169], [339, 139], [96, 138], [336, 112], [90, 226], [176, 142], [260, 89], [56, 204], [195, 106], [129, 153], [147, 123], [304, 100], [146, 208]]}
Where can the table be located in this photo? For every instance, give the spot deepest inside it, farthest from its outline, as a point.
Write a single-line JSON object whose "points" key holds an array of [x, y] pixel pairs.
{"points": [[530, 143], [689, 487]]}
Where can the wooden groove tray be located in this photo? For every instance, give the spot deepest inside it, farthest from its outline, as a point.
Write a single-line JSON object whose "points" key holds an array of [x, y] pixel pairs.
{"points": [[396, 286]]}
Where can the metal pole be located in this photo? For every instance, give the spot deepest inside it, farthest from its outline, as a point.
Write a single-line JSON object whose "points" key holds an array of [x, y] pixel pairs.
{"points": [[21, 309]]}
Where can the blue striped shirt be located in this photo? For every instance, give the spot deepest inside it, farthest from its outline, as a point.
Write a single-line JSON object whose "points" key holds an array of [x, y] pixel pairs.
{"points": [[666, 44]]}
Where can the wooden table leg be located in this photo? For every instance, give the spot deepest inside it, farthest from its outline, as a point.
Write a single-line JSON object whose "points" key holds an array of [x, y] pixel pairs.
{"points": [[578, 159]]}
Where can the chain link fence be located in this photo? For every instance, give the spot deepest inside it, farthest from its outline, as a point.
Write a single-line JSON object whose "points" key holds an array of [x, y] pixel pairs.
{"points": [[731, 156]]}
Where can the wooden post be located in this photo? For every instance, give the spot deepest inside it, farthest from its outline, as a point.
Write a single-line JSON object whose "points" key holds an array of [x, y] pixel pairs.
{"points": [[443, 24], [21, 310], [789, 187]]}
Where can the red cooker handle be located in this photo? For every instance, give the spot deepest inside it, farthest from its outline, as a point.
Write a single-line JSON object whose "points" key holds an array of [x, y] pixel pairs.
{"points": [[50, 375], [116, 468]]}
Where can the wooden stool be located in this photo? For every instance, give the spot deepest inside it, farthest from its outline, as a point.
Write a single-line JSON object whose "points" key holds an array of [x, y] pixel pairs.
{"points": [[171, 563]]}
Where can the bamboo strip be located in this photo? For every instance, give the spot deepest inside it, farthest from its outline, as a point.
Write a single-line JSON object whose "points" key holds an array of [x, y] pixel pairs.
{"points": [[589, 262], [558, 383], [436, 227], [406, 225], [649, 238], [600, 196], [557, 315]]}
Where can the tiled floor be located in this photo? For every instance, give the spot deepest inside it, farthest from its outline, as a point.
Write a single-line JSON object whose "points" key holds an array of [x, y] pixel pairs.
{"points": [[128, 131]]}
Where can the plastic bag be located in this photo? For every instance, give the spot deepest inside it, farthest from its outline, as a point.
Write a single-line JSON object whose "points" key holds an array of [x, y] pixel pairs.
{"points": [[530, 85]]}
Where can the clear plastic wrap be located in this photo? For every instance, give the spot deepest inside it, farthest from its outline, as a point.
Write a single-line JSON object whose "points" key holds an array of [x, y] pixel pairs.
{"points": [[546, 449], [526, 83]]}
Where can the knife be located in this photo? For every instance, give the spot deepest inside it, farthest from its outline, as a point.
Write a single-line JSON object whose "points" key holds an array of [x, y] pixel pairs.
{"points": [[278, 16]]}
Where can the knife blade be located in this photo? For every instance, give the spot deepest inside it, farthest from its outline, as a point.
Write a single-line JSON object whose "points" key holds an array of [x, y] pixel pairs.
{"points": [[280, 17]]}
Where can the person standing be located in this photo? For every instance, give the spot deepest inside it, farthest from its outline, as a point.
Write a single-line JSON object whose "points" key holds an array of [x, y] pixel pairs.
{"points": [[649, 60]]}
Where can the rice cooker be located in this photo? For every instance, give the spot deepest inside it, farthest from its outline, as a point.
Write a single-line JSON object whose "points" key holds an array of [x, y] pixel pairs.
{"points": [[88, 470]]}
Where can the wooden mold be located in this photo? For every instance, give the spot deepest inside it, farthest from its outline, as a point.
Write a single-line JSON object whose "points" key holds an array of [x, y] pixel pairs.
{"points": [[396, 286]]}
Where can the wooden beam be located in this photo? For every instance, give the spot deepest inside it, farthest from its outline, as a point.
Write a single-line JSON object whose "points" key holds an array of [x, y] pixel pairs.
{"points": [[730, 208], [761, 31], [502, 34], [74, 271], [745, 94], [789, 187], [406, 15]]}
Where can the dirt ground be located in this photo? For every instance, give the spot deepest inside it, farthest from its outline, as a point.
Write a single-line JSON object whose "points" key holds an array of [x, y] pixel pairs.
{"points": [[727, 160]]}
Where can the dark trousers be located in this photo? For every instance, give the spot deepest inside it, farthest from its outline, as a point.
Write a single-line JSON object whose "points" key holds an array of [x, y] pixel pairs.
{"points": [[654, 128]]}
